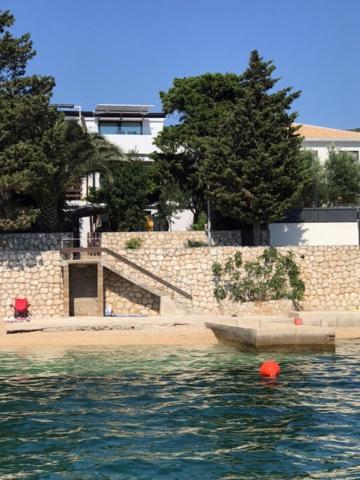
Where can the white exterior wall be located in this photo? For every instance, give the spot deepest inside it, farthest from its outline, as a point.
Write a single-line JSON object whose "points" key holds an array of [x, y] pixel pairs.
{"points": [[84, 229], [91, 125], [312, 234], [181, 221], [143, 144], [322, 147]]}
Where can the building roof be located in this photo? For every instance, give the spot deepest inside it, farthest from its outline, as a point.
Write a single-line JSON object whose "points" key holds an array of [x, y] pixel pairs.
{"points": [[122, 108], [112, 110], [312, 132]]}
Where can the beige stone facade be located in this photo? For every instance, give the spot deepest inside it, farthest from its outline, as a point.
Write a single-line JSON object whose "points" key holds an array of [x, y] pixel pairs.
{"points": [[32, 241], [331, 275], [35, 275], [126, 298], [164, 240]]}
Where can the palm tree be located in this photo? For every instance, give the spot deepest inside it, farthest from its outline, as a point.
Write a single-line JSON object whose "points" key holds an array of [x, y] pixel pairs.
{"points": [[74, 154]]}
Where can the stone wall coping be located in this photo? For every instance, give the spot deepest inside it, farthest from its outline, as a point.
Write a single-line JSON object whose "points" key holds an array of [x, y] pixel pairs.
{"points": [[4, 252], [229, 248], [35, 234], [176, 234], [32, 241]]}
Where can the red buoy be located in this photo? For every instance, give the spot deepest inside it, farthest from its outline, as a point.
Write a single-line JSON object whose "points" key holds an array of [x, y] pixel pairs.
{"points": [[270, 368]]}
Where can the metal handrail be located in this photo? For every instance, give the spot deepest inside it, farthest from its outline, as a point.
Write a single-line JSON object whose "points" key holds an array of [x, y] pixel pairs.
{"points": [[97, 251]]}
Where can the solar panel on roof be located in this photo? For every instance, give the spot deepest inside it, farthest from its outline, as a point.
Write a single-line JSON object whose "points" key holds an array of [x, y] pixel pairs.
{"points": [[113, 108]]}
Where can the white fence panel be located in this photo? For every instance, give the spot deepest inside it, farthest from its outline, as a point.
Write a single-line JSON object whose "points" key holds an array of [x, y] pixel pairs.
{"points": [[339, 233]]}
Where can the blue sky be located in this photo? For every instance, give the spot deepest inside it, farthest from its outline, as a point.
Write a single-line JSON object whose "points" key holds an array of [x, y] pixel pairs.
{"points": [[126, 51]]}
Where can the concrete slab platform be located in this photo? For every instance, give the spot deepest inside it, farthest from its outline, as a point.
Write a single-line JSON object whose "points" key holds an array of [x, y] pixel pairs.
{"points": [[274, 336], [343, 318]]}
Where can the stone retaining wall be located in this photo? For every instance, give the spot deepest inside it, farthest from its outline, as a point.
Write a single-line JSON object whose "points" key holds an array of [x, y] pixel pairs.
{"points": [[32, 241], [164, 240], [331, 275], [34, 275], [127, 298]]}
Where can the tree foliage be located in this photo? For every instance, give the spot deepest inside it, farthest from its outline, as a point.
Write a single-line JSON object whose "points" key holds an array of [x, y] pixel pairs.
{"points": [[272, 276], [313, 191], [342, 174], [167, 196], [334, 183], [126, 194], [199, 104], [41, 155], [253, 170], [24, 116], [234, 143]]}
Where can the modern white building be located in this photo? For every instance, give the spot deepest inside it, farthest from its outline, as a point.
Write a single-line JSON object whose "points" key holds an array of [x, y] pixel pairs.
{"points": [[132, 128], [320, 139], [322, 230], [129, 127]]}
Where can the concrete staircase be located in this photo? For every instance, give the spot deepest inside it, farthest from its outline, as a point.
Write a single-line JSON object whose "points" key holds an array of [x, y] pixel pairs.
{"points": [[170, 303], [173, 300]]}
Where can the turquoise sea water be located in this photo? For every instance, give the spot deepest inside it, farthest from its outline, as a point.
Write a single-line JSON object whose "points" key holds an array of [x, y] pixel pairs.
{"points": [[178, 413]]}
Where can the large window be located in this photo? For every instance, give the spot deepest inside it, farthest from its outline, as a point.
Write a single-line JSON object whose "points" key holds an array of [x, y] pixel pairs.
{"points": [[120, 128], [353, 153]]}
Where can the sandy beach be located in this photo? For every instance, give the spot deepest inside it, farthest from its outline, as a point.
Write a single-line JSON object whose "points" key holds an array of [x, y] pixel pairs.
{"points": [[152, 335], [133, 332]]}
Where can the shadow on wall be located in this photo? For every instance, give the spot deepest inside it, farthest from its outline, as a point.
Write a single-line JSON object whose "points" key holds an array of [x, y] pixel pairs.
{"points": [[286, 234], [127, 298], [35, 275], [314, 233], [32, 241], [20, 260]]}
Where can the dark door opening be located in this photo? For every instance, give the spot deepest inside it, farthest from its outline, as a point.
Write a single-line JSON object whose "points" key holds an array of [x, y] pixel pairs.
{"points": [[83, 290]]}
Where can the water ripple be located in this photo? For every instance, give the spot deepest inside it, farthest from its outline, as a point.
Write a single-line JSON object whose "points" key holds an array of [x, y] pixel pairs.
{"points": [[184, 413]]}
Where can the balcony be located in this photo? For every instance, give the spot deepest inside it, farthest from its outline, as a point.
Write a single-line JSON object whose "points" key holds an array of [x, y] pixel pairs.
{"points": [[143, 144], [74, 192]]}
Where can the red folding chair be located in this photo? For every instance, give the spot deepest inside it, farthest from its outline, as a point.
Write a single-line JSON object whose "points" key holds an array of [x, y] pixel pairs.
{"points": [[21, 308]]}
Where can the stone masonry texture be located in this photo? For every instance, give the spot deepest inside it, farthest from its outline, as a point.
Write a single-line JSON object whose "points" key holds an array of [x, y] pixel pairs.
{"points": [[151, 240], [331, 275], [35, 275], [127, 298], [32, 241]]}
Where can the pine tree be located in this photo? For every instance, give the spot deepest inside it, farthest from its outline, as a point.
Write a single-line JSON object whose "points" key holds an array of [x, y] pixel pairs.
{"points": [[252, 170], [40, 153], [198, 103], [24, 115]]}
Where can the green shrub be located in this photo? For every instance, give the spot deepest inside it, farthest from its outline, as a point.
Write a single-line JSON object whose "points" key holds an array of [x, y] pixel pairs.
{"points": [[133, 243], [201, 223], [195, 244], [272, 276]]}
